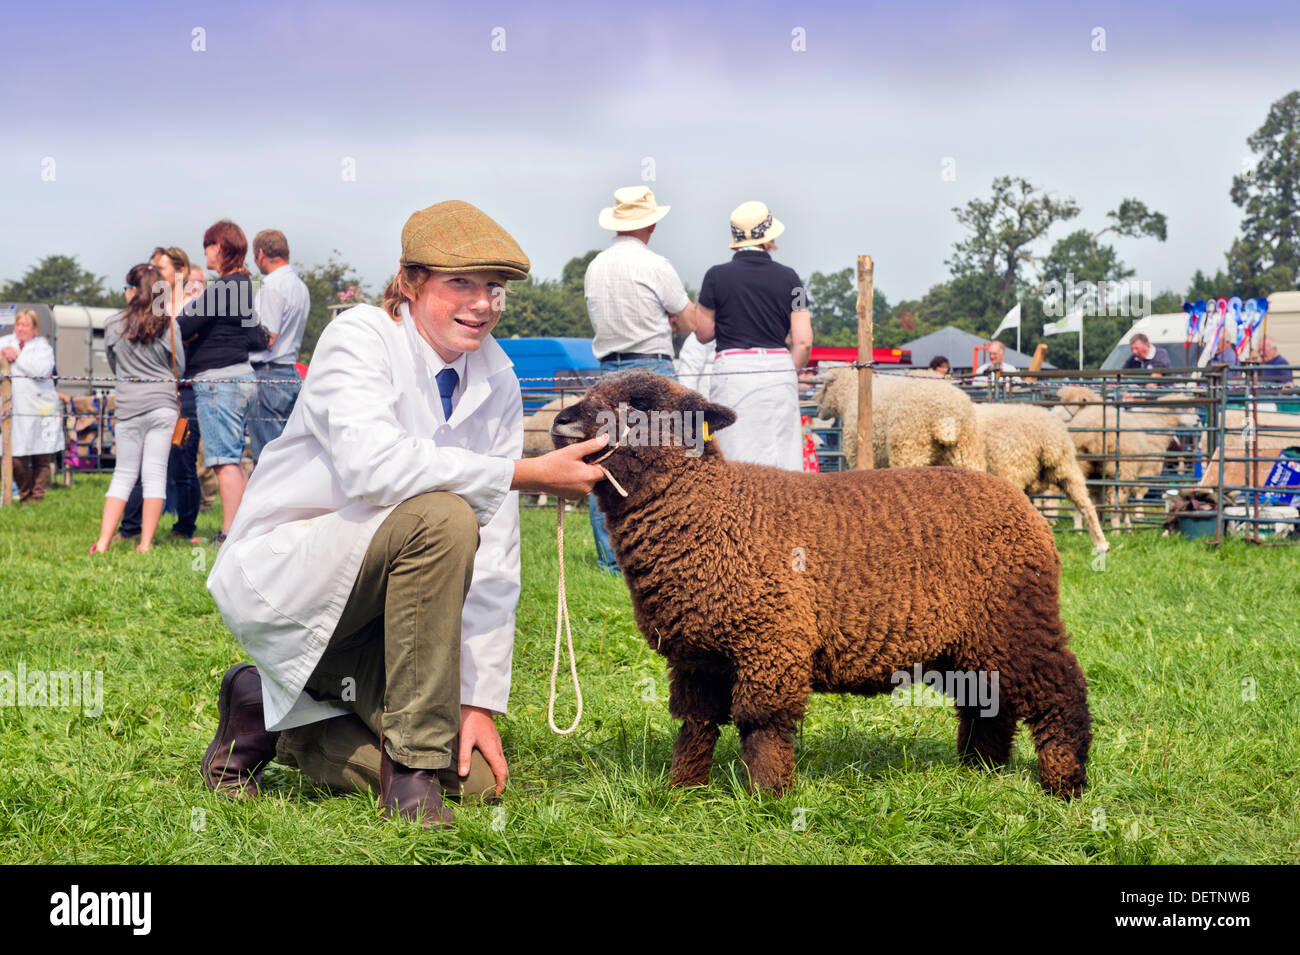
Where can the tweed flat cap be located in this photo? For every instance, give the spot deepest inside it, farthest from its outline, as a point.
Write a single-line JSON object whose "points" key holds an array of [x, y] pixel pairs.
{"points": [[455, 236]]}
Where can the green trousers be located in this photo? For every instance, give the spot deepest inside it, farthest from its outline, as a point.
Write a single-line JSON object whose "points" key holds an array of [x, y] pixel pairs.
{"points": [[394, 658]]}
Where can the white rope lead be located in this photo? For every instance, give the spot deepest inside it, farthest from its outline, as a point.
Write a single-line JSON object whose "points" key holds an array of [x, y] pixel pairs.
{"points": [[562, 609], [562, 614]]}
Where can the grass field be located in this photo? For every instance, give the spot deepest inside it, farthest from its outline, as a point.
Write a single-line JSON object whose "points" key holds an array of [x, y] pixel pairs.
{"points": [[1191, 655]]}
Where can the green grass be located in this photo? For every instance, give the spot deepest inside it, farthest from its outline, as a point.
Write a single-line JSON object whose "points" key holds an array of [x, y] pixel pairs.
{"points": [[1183, 768]]}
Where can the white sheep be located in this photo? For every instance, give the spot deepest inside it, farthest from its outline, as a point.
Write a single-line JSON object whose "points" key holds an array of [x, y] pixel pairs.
{"points": [[915, 422], [1072, 398], [1031, 447], [537, 432], [1141, 445]]}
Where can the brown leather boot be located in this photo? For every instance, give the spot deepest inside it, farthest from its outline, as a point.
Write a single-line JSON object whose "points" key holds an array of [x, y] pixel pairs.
{"points": [[413, 794], [233, 763], [40, 476]]}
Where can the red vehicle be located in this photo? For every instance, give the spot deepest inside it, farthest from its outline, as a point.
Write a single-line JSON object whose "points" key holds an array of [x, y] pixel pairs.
{"points": [[880, 356]]}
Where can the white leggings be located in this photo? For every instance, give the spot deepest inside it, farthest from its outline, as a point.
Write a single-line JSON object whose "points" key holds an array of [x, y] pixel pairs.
{"points": [[147, 436]]}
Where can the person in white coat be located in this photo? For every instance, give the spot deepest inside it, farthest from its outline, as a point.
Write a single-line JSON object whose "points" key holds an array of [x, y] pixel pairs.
{"points": [[373, 567], [695, 364], [35, 428]]}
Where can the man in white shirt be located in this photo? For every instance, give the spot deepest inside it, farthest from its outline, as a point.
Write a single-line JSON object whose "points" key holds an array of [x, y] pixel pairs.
{"points": [[282, 305], [372, 572], [636, 301], [997, 360]]}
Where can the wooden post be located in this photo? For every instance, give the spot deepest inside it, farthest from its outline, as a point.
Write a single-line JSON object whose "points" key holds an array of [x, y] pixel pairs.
{"points": [[1036, 363], [866, 349], [6, 432]]}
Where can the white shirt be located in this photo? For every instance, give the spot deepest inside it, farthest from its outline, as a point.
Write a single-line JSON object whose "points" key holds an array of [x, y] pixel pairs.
{"points": [[36, 427], [630, 293], [984, 368], [282, 305], [367, 433]]}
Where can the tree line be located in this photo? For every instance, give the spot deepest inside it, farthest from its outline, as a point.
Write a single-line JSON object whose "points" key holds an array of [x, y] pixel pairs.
{"points": [[997, 264]]}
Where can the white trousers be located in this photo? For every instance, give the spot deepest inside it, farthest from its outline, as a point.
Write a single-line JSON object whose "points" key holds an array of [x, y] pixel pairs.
{"points": [[764, 393], [143, 445]]}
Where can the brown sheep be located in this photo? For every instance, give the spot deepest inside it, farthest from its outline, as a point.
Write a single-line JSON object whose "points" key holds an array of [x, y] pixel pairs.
{"points": [[1276, 432], [761, 586]]}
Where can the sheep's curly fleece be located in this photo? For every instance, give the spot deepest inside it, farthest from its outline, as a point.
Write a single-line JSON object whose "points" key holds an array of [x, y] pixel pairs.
{"points": [[1031, 447], [1141, 448], [915, 422], [761, 586]]}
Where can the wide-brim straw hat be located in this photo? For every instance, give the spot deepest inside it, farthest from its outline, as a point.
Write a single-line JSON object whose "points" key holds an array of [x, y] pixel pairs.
{"points": [[752, 223], [455, 236], [634, 209]]}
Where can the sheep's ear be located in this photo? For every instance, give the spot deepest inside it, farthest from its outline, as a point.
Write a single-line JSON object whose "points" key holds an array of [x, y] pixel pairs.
{"points": [[717, 416]]}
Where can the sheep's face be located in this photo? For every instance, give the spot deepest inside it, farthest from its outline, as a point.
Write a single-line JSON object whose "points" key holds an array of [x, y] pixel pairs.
{"points": [[829, 394], [652, 422]]}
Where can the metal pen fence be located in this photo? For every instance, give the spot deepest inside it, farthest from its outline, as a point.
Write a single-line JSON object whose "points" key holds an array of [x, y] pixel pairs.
{"points": [[1200, 451], [1208, 452]]}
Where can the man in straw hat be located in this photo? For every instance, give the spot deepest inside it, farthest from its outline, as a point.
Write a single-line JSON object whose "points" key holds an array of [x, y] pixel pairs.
{"points": [[636, 301], [753, 306], [372, 572]]}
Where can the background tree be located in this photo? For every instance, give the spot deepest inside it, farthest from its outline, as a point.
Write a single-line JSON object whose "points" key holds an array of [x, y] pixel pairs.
{"points": [[1002, 228], [60, 280], [547, 308], [1208, 288], [325, 283], [1080, 258], [575, 270], [833, 302], [1266, 257], [1133, 219], [543, 309]]}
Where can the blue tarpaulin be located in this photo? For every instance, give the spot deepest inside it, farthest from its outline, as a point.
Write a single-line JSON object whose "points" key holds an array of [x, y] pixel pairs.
{"points": [[543, 358]]}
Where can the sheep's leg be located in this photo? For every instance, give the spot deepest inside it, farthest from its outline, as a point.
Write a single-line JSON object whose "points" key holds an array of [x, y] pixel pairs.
{"points": [[765, 707], [768, 751], [702, 701], [1076, 489], [1051, 695], [985, 740]]}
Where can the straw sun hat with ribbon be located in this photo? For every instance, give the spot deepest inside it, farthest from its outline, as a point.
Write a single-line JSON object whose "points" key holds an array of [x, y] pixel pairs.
{"points": [[753, 224], [634, 209]]}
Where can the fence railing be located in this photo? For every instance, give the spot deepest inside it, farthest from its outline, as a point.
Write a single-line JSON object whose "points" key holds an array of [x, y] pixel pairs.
{"points": [[1205, 451]]}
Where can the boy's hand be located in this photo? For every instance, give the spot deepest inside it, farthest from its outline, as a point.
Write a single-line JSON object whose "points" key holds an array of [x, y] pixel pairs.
{"points": [[479, 731], [561, 472]]}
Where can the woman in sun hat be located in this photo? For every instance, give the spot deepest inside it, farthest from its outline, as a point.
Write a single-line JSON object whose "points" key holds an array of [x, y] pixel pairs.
{"points": [[753, 306]]}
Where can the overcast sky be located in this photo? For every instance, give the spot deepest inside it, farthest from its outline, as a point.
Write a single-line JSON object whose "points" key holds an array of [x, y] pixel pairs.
{"points": [[151, 140]]}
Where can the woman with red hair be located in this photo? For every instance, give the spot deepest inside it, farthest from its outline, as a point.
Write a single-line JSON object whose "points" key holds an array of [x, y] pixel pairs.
{"points": [[220, 330]]}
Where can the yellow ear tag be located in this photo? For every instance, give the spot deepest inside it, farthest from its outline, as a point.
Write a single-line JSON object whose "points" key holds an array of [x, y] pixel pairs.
{"points": [[707, 436]]}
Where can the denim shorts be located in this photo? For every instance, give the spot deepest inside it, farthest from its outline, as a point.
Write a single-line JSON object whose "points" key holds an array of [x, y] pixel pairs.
{"points": [[224, 407]]}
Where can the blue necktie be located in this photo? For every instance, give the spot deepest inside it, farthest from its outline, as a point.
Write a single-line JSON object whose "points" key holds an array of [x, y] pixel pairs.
{"points": [[446, 379]]}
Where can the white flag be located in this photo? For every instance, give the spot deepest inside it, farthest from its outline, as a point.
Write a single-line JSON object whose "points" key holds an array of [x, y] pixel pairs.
{"points": [[1073, 322], [1012, 320]]}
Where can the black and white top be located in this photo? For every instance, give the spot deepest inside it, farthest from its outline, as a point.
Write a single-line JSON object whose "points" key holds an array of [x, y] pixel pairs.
{"points": [[752, 298]]}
